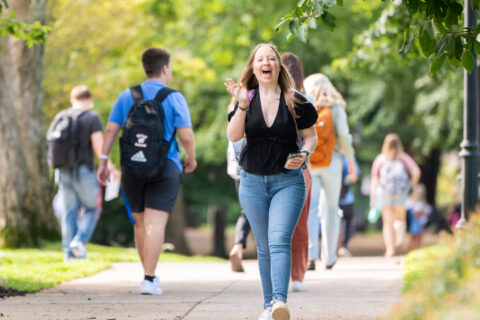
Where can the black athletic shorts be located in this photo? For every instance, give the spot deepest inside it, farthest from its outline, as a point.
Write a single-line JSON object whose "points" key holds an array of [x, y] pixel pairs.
{"points": [[159, 192]]}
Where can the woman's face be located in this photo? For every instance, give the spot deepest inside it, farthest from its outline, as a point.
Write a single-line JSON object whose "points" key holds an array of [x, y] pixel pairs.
{"points": [[266, 67]]}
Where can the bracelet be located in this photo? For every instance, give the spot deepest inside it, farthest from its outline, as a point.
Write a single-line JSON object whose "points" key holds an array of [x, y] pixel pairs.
{"points": [[104, 157], [243, 109]]}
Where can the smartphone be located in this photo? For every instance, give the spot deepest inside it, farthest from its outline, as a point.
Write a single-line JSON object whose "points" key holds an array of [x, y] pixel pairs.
{"points": [[293, 155]]}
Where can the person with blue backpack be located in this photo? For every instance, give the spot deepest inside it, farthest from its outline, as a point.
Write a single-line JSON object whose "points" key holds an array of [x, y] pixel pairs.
{"points": [[150, 116]]}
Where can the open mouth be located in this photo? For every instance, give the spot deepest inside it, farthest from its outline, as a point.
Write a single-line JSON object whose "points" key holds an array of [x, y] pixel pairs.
{"points": [[266, 71]]}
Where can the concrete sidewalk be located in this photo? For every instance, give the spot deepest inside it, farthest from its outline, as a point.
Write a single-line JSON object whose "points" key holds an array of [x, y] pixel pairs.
{"points": [[356, 288]]}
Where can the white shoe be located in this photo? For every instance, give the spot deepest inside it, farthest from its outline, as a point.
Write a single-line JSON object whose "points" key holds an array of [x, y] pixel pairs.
{"points": [[266, 315], [149, 287], [280, 311], [78, 249], [298, 286], [343, 252]]}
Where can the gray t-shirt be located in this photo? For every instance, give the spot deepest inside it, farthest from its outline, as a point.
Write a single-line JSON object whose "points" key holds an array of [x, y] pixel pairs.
{"points": [[89, 123]]}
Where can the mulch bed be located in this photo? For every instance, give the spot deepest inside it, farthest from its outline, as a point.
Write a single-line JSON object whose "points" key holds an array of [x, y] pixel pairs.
{"points": [[9, 292]]}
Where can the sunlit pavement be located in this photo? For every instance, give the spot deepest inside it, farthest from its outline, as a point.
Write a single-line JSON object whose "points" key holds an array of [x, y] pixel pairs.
{"points": [[356, 288]]}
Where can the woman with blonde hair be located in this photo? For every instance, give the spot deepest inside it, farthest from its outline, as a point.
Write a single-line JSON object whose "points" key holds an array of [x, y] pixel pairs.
{"points": [[268, 112], [326, 168], [393, 173]]}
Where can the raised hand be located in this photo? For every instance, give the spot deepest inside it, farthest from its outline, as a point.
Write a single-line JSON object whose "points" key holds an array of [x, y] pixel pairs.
{"points": [[238, 91]]}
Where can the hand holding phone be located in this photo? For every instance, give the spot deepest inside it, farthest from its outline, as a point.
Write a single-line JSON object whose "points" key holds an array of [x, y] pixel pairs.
{"points": [[295, 160]]}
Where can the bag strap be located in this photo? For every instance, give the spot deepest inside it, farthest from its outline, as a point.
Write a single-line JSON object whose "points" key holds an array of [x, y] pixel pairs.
{"points": [[137, 93], [162, 94]]}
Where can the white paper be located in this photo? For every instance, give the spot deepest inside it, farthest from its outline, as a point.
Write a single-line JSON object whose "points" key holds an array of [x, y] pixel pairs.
{"points": [[112, 189]]}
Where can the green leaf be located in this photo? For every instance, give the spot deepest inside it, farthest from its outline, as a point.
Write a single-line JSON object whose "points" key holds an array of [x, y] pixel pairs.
{"points": [[300, 3], [412, 5], [440, 26], [440, 46], [477, 47], [453, 62], [468, 61], [290, 36], [437, 63], [427, 42], [293, 27], [280, 23], [458, 47], [318, 8], [303, 30], [298, 11], [409, 43], [340, 3], [328, 20]]}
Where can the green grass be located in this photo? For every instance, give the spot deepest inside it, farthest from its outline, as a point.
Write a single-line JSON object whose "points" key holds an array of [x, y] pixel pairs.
{"points": [[35, 269]]}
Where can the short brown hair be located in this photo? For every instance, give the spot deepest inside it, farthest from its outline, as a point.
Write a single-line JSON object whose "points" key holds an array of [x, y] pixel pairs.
{"points": [[80, 92], [153, 60]]}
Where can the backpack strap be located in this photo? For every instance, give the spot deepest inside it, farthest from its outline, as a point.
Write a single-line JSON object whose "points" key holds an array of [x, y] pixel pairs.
{"points": [[137, 93], [162, 94]]}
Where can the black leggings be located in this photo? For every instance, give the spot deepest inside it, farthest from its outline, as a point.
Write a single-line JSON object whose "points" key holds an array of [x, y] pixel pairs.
{"points": [[347, 223]]}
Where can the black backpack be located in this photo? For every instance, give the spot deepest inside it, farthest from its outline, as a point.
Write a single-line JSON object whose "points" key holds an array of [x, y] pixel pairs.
{"points": [[63, 139], [143, 148]]}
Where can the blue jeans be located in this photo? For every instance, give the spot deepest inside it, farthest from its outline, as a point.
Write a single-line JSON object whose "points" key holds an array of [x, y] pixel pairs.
{"points": [[77, 188], [273, 205], [326, 185]]}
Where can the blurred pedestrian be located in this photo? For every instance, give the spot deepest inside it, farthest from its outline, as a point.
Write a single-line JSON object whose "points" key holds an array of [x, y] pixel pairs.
{"points": [[347, 200], [242, 228], [300, 236], [326, 162], [393, 174], [418, 211]]}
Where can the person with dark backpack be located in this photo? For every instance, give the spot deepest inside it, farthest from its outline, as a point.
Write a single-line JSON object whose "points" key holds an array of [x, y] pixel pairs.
{"points": [[150, 114], [72, 138]]}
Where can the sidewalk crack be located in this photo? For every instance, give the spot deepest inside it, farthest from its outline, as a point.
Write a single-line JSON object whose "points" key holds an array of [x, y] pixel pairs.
{"points": [[208, 298]]}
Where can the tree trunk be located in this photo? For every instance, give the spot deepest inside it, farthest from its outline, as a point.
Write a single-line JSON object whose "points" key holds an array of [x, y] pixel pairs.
{"points": [[174, 232], [26, 214]]}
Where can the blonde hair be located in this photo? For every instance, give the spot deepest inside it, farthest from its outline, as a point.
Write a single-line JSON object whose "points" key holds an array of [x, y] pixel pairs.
{"points": [[316, 84], [285, 80], [392, 146]]}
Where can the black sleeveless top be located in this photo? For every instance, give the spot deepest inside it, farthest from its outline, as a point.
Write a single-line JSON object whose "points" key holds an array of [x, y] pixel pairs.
{"points": [[267, 148]]}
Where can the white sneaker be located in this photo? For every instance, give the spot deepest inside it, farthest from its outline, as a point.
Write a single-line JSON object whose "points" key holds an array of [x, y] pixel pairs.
{"points": [[149, 287], [298, 286], [343, 252], [266, 315], [78, 249], [280, 311]]}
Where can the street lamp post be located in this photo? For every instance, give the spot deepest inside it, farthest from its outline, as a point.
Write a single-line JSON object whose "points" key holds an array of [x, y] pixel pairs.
{"points": [[469, 146]]}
